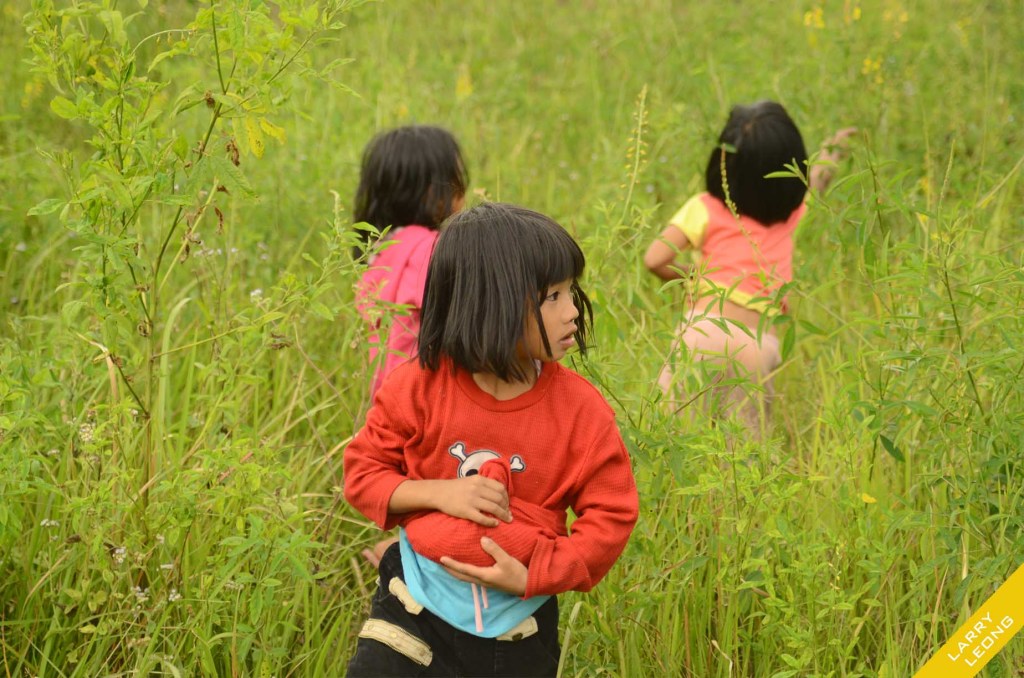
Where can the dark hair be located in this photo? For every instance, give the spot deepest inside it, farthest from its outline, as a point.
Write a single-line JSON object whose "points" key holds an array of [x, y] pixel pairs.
{"points": [[757, 140], [409, 175], [492, 266]]}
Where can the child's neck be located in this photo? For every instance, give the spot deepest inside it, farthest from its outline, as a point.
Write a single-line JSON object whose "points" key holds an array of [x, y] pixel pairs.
{"points": [[500, 389]]}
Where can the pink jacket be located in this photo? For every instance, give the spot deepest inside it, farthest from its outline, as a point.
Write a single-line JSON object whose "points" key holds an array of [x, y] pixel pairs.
{"points": [[397, 275]]}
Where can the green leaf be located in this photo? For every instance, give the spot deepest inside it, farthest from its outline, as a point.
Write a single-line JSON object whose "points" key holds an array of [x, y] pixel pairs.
{"points": [[70, 311], [169, 54], [228, 174], [120, 192], [255, 608], [891, 448], [788, 341], [321, 310], [180, 147], [48, 206], [64, 107], [113, 21], [791, 660], [811, 328]]}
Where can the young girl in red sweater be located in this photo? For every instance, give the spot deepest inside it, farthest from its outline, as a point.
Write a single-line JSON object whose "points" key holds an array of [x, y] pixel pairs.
{"points": [[412, 178], [487, 406]]}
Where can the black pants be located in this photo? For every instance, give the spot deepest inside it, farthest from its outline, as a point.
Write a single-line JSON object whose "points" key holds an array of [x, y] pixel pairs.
{"points": [[397, 641]]}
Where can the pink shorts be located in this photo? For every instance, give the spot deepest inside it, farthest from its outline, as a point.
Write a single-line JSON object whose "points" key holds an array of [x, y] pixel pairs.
{"points": [[709, 337]]}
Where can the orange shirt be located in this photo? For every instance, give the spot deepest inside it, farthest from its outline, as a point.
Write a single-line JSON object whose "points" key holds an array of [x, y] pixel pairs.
{"points": [[746, 259], [560, 438]]}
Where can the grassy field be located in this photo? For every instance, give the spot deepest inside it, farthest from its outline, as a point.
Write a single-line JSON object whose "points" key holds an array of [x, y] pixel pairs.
{"points": [[181, 367]]}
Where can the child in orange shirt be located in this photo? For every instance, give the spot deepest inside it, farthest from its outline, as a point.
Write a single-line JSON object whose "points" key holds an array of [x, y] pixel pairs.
{"points": [[479, 450], [743, 227]]}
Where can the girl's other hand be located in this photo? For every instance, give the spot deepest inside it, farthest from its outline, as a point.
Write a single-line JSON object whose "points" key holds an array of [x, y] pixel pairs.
{"points": [[837, 146], [507, 574], [374, 555], [832, 151], [477, 498]]}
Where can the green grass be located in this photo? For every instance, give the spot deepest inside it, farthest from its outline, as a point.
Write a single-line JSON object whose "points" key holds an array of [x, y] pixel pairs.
{"points": [[211, 538]]}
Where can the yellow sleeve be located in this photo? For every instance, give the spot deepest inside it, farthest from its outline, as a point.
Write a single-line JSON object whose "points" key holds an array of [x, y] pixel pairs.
{"points": [[692, 220]]}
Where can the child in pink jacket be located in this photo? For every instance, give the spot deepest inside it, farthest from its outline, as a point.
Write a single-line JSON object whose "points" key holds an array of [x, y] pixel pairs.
{"points": [[412, 179]]}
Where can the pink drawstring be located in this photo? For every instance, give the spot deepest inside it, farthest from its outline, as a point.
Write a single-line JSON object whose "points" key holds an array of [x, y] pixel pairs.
{"points": [[477, 614], [476, 610]]}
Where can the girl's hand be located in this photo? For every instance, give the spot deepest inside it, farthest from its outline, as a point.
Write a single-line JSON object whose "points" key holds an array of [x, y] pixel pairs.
{"points": [[837, 146], [507, 574], [476, 498], [832, 151]]}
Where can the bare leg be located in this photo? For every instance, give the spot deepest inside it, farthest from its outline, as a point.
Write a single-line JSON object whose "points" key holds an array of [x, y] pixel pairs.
{"points": [[741, 356]]}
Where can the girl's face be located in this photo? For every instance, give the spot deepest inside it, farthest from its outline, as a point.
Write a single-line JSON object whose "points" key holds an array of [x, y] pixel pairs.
{"points": [[558, 313]]}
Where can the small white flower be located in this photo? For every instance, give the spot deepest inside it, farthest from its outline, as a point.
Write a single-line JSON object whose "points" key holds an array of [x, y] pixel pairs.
{"points": [[20, 247], [85, 432], [119, 554], [173, 596], [46, 522], [256, 294], [159, 539]]}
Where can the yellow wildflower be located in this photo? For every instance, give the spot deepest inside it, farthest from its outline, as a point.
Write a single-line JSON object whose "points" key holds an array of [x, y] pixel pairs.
{"points": [[815, 18]]}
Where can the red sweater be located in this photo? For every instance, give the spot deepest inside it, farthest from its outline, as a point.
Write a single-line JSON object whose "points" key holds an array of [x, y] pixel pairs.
{"points": [[559, 438], [530, 524]]}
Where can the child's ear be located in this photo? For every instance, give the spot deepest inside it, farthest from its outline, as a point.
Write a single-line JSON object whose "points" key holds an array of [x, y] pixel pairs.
{"points": [[445, 209]]}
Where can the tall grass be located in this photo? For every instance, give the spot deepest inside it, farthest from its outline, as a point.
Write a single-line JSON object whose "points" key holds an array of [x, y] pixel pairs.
{"points": [[170, 484]]}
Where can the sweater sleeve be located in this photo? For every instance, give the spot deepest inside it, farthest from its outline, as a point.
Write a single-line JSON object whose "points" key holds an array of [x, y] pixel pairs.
{"points": [[606, 506], [374, 460], [692, 220]]}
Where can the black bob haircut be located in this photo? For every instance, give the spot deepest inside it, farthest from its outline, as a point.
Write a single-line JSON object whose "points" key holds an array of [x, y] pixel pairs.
{"points": [[409, 175], [490, 270], [757, 140]]}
